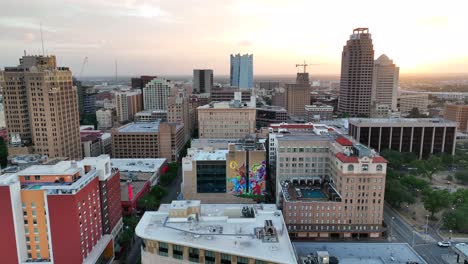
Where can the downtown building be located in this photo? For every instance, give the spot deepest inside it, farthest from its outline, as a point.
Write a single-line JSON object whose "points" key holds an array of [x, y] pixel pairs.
{"points": [[105, 118], [242, 71], [422, 136], [385, 83], [155, 139], [457, 113], [407, 101], [41, 108], [357, 64], [179, 110], [318, 111], [268, 114], [64, 213], [127, 104], [223, 94], [298, 95], [156, 93], [234, 119], [193, 232], [202, 81]]}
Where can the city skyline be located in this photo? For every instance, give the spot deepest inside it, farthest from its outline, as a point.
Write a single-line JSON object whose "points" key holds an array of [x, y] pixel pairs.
{"points": [[167, 37]]}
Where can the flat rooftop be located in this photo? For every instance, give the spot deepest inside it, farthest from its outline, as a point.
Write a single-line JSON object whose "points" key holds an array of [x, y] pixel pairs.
{"points": [[61, 168], [403, 121], [214, 142], [362, 253], [202, 155], [137, 187], [140, 127], [137, 165], [222, 228], [312, 189]]}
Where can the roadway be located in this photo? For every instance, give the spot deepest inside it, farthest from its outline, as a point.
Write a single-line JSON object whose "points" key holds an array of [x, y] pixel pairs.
{"points": [[425, 245]]}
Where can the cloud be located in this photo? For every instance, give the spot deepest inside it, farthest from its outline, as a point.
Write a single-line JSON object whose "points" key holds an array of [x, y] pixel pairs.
{"points": [[24, 23], [28, 37]]}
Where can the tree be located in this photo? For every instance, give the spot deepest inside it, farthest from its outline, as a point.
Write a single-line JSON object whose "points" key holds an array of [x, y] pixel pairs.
{"points": [[428, 167], [90, 120], [396, 193], [158, 192], [3, 153], [435, 200], [414, 113], [456, 219], [148, 202], [414, 184], [462, 176]]}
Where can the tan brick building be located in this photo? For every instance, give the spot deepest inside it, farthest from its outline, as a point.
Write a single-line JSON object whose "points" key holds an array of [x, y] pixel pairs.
{"points": [[457, 113], [41, 108], [148, 140]]}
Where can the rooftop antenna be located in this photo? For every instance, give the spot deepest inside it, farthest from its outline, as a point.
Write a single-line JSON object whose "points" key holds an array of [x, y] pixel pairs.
{"points": [[116, 70], [42, 39]]}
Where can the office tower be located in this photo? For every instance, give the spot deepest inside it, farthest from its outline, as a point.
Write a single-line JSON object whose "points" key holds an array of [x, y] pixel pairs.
{"points": [[357, 64], [63, 213], [385, 82], [155, 94], [242, 71], [150, 115], [233, 119], [457, 113], [128, 103], [225, 233], [179, 110], [407, 101], [139, 83], [148, 140], [223, 94], [319, 111], [422, 136], [202, 81], [298, 95], [41, 108], [269, 114], [105, 118]]}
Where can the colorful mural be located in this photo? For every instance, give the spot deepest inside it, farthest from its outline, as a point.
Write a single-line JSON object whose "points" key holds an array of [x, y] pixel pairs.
{"points": [[256, 180]]}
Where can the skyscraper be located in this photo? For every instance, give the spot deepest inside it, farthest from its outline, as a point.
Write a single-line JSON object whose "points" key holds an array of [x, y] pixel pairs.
{"points": [[385, 82], [41, 108], [156, 93], [202, 81], [242, 71], [298, 95], [357, 64], [127, 104]]}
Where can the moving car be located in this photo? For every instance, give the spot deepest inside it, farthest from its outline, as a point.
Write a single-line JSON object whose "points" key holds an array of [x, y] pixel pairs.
{"points": [[444, 243]]}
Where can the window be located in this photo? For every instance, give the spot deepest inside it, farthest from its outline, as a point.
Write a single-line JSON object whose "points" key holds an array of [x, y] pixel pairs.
{"points": [[242, 260], [163, 249], [33, 204], [259, 261], [379, 167], [350, 167], [177, 251], [194, 255], [225, 258], [210, 257], [365, 167], [37, 178]]}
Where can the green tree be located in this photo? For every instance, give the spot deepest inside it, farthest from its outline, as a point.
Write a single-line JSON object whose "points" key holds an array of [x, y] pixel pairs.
{"points": [[396, 193], [148, 202], [456, 219], [3, 153], [414, 184], [158, 192], [462, 176], [435, 200], [414, 113], [428, 167], [89, 120]]}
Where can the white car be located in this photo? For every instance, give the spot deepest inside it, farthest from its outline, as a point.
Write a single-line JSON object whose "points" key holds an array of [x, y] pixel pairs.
{"points": [[444, 243]]}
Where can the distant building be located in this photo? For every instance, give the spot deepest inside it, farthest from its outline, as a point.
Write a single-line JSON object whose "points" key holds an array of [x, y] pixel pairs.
{"points": [[180, 111], [150, 115], [105, 118], [298, 95], [202, 81], [38, 86], [233, 119], [63, 213], [197, 100], [324, 98], [242, 71], [406, 102], [127, 105], [269, 85], [317, 112], [140, 169], [223, 94], [156, 93], [139, 83], [457, 113], [225, 175], [148, 140], [95, 143], [357, 63], [267, 115], [385, 81], [131, 192], [422, 136], [225, 233]]}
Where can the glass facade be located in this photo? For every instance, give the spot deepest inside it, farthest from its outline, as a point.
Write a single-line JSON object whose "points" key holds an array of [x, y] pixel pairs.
{"points": [[211, 176]]}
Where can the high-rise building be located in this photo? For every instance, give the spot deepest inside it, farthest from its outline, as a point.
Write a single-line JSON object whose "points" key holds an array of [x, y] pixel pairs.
{"points": [[269, 114], [139, 83], [41, 107], [407, 101], [222, 94], [422, 136], [63, 213], [233, 119], [457, 113], [105, 118], [385, 82], [224, 233], [156, 93], [179, 110], [298, 95], [357, 64], [242, 71], [319, 111], [202, 81], [128, 103]]}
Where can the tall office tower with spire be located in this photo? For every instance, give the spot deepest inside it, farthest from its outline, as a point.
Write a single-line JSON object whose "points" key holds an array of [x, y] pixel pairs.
{"points": [[41, 108], [357, 63], [385, 83], [242, 71]]}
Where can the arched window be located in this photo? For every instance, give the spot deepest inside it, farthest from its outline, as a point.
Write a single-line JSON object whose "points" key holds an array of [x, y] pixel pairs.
{"points": [[350, 167], [379, 167]]}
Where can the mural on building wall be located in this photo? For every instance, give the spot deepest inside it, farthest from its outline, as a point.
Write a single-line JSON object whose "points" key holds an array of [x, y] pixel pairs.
{"points": [[256, 180]]}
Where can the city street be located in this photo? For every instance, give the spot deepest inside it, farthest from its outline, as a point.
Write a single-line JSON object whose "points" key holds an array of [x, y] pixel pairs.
{"points": [[173, 190], [425, 245]]}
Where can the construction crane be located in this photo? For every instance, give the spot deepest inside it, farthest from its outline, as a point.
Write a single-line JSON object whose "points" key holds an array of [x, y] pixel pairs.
{"points": [[85, 61], [304, 65]]}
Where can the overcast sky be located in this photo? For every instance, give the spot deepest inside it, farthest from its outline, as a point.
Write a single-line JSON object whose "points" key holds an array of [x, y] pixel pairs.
{"points": [[175, 36]]}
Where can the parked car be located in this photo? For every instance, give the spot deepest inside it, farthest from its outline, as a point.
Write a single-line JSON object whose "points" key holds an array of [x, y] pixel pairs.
{"points": [[444, 243]]}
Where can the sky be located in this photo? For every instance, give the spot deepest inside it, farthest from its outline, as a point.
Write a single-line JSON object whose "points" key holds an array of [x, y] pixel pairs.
{"points": [[170, 37]]}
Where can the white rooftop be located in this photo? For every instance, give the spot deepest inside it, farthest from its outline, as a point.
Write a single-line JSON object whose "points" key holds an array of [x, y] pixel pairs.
{"points": [[221, 228], [140, 127], [219, 154], [61, 168], [140, 165]]}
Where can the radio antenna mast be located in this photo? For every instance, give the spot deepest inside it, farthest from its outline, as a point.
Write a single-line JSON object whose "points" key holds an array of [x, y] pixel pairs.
{"points": [[42, 39]]}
